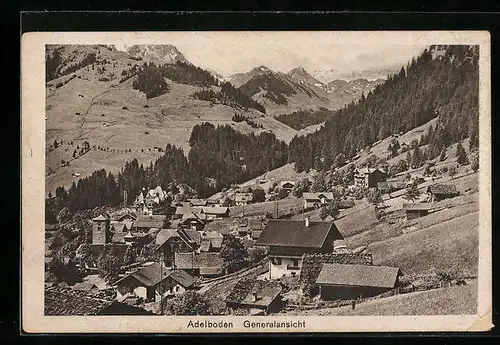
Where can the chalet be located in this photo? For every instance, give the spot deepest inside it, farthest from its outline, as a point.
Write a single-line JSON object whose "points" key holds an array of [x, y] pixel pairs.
{"points": [[144, 223], [346, 281], [289, 240], [205, 264], [153, 282], [313, 200], [256, 226], [197, 202], [193, 221], [171, 241], [288, 185], [369, 177], [181, 209], [413, 210], [439, 192], [211, 241], [259, 295], [216, 212], [87, 287], [242, 199], [69, 302], [127, 219]]}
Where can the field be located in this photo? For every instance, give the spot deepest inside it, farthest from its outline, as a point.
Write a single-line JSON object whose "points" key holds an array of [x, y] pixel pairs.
{"points": [[284, 206], [455, 300], [128, 126]]}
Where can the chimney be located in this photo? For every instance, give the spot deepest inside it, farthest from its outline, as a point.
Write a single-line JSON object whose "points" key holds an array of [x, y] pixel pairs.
{"points": [[307, 221]]}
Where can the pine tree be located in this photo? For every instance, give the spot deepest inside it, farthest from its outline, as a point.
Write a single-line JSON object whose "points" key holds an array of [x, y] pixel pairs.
{"points": [[461, 155], [442, 156]]}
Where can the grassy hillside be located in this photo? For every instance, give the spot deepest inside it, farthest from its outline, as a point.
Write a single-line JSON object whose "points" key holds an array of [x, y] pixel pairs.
{"points": [[114, 116], [455, 300]]}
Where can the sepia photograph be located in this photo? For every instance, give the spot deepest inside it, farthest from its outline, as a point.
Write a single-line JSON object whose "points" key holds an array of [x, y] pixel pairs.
{"points": [[251, 180]]}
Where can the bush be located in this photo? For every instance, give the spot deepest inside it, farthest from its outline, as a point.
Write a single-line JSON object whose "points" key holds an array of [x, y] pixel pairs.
{"points": [[189, 303]]}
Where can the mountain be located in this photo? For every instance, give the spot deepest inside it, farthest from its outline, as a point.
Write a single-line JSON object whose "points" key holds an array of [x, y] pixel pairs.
{"points": [[354, 88], [303, 77], [239, 79], [158, 54], [281, 93], [442, 84], [219, 77], [106, 107]]}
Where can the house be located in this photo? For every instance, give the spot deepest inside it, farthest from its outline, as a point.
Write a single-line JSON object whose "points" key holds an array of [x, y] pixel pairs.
{"points": [[256, 294], [242, 199], [193, 221], [153, 283], [216, 212], [288, 185], [413, 210], [223, 226], [369, 177], [211, 241], [197, 202], [145, 222], [171, 241], [289, 240], [125, 217], [255, 226], [346, 281], [439, 192], [87, 287], [205, 264], [313, 200], [66, 301]]}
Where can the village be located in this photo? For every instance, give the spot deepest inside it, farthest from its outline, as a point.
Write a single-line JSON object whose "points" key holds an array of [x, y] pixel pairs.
{"points": [[271, 245]]}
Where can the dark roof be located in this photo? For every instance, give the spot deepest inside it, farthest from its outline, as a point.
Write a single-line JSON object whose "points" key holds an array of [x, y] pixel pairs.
{"points": [[288, 233], [223, 226], [317, 196], [84, 286], [164, 235], [423, 206], [256, 224], [358, 275], [153, 221], [242, 293], [197, 202], [447, 189], [155, 273], [203, 260], [312, 263], [124, 216], [216, 210], [118, 237], [66, 301], [256, 234]]}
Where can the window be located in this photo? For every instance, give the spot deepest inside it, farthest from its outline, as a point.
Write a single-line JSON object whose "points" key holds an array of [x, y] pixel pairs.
{"points": [[177, 289], [295, 262]]}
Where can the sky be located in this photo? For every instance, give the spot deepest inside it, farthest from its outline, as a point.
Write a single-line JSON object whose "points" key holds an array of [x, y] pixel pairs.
{"points": [[325, 55]]}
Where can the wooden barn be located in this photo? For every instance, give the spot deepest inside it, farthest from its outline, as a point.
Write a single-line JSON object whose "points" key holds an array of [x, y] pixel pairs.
{"points": [[413, 211], [439, 192], [345, 281], [258, 295]]}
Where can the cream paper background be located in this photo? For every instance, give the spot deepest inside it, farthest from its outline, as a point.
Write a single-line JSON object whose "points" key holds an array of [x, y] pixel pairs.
{"points": [[33, 187]]}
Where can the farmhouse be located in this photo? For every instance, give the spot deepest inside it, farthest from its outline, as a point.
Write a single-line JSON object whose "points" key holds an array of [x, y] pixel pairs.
{"points": [[313, 200], [171, 241], [153, 282], [288, 185], [193, 221], [413, 211], [206, 264], [264, 296], [439, 192], [211, 241], [289, 240], [345, 281], [66, 301], [144, 223], [216, 212], [197, 202], [241, 199], [256, 226], [369, 177]]}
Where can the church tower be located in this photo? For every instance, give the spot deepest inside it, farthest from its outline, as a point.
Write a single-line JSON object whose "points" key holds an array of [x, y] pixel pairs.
{"points": [[100, 229]]}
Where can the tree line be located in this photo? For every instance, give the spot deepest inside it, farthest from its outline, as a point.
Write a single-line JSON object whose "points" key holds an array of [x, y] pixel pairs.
{"points": [[303, 118], [446, 87]]}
